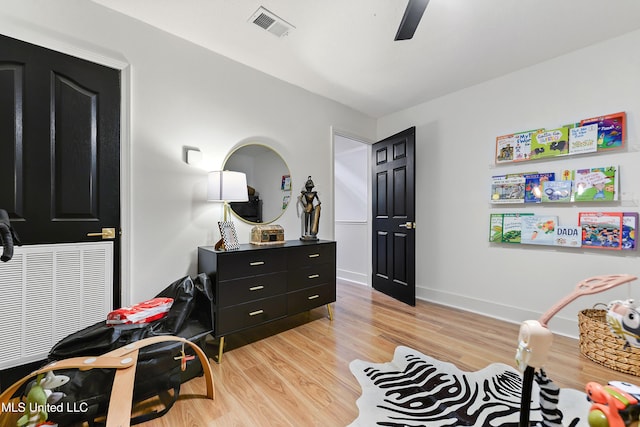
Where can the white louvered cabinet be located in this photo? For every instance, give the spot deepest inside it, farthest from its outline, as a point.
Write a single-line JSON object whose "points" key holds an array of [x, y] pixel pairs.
{"points": [[48, 292]]}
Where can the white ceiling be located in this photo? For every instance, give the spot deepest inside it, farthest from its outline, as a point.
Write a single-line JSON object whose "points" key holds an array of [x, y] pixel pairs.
{"points": [[344, 49]]}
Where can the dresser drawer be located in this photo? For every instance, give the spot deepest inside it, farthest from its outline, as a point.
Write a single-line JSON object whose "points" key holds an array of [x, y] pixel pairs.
{"points": [[314, 275], [232, 292], [311, 255], [234, 265], [237, 317], [309, 298]]}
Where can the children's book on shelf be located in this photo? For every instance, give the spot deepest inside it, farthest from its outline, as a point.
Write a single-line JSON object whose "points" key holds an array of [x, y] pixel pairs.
{"points": [[505, 147], [507, 188], [601, 230], [515, 147], [629, 227], [550, 143], [611, 130], [556, 191], [538, 229], [583, 139], [533, 186], [512, 227], [595, 184], [495, 227], [570, 236]]}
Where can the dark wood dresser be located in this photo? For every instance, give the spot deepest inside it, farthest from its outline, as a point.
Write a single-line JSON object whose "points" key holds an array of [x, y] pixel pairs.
{"points": [[261, 283]]}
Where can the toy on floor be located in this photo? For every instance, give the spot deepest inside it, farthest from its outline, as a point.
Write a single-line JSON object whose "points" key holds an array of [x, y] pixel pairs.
{"points": [[613, 405], [535, 339], [39, 396], [624, 321], [35, 406]]}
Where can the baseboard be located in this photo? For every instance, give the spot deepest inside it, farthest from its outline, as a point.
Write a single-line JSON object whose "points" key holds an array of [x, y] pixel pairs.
{"points": [[352, 277], [558, 325]]}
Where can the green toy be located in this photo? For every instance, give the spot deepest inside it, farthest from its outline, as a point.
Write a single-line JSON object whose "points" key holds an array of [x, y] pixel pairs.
{"points": [[34, 411]]}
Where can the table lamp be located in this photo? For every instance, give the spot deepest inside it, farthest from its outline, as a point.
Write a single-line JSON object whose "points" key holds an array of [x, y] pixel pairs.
{"points": [[227, 186]]}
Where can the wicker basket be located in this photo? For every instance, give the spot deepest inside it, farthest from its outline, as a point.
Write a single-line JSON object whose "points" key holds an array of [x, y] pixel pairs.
{"points": [[599, 344]]}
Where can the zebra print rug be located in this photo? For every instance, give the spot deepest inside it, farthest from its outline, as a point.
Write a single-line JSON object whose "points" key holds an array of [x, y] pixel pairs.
{"points": [[415, 390]]}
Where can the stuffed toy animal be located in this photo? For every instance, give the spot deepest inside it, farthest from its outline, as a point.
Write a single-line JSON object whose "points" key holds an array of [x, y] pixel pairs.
{"points": [[624, 321], [35, 407], [39, 396]]}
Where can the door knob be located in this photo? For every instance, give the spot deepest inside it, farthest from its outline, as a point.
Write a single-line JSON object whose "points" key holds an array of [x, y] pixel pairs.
{"points": [[408, 225], [106, 233]]}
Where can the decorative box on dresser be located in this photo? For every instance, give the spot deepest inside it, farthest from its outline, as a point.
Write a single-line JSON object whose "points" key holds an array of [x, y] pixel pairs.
{"points": [[261, 283]]}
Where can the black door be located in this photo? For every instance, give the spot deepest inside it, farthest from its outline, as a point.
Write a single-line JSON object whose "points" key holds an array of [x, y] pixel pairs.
{"points": [[59, 147], [393, 191]]}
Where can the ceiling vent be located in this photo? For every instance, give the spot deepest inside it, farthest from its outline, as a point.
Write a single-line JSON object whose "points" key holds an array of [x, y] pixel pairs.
{"points": [[271, 22]]}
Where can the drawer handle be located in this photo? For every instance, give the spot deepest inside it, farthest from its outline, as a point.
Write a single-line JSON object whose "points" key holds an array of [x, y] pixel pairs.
{"points": [[253, 264], [314, 296], [314, 255], [255, 313], [256, 288], [313, 276]]}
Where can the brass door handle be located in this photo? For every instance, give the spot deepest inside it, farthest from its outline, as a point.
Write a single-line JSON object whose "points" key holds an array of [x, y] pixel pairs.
{"points": [[408, 225], [106, 233]]}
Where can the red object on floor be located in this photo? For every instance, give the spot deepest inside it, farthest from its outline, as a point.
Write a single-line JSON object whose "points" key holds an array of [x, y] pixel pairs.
{"points": [[143, 312]]}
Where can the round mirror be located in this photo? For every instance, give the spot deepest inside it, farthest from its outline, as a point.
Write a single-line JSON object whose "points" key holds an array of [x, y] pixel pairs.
{"points": [[268, 182]]}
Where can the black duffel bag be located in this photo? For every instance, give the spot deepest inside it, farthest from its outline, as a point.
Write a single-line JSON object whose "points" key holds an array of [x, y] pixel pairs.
{"points": [[159, 369]]}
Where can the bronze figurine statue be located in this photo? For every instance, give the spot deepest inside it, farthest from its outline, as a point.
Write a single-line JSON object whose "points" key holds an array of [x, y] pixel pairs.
{"points": [[311, 211]]}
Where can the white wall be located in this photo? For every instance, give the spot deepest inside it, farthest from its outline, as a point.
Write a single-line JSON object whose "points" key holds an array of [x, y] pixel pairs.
{"points": [[352, 211], [183, 95], [455, 139]]}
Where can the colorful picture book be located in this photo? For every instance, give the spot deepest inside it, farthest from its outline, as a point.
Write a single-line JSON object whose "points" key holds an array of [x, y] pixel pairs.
{"points": [[507, 188], [611, 130], [629, 227], [495, 228], [601, 230], [595, 184], [550, 143], [533, 186], [538, 229], [556, 191], [568, 236], [583, 139], [512, 227], [515, 147]]}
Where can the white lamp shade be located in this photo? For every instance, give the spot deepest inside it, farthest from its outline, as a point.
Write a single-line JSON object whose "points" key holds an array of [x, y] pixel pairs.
{"points": [[227, 186]]}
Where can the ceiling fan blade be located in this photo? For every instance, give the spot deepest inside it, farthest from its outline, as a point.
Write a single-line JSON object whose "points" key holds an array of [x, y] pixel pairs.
{"points": [[412, 15]]}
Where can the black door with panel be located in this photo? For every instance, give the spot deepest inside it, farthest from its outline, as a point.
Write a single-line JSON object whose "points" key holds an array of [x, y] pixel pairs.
{"points": [[59, 147], [393, 191]]}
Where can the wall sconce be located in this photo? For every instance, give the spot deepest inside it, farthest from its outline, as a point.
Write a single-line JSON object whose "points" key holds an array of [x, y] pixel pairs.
{"points": [[192, 156], [227, 186]]}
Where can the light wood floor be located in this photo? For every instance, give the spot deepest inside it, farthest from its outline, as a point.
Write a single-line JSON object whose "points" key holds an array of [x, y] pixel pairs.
{"points": [[296, 372]]}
